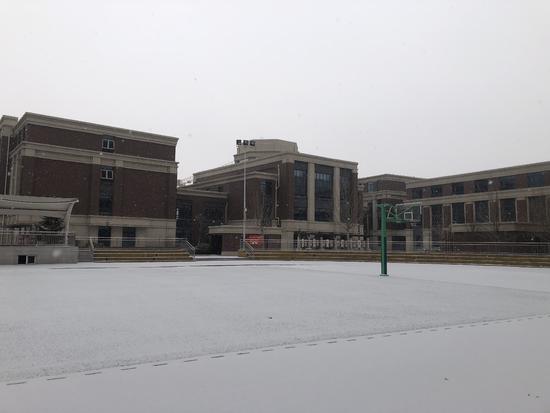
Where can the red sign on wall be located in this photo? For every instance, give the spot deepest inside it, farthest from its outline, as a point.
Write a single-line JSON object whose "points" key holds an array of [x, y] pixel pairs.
{"points": [[255, 240]]}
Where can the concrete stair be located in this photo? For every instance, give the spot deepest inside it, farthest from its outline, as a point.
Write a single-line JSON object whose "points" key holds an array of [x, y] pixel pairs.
{"points": [[436, 258], [140, 254]]}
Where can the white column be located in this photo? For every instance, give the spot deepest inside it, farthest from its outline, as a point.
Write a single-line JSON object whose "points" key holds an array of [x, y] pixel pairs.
{"points": [[336, 195], [311, 191]]}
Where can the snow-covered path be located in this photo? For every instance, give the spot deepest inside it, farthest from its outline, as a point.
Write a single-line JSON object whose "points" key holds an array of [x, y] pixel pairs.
{"points": [[484, 367], [65, 319]]}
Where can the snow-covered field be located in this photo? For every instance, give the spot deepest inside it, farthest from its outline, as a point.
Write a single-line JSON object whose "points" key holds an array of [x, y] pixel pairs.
{"points": [[64, 319]]}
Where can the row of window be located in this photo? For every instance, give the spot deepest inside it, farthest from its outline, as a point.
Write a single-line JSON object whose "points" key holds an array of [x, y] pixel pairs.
{"points": [[507, 211], [534, 179], [324, 205]]}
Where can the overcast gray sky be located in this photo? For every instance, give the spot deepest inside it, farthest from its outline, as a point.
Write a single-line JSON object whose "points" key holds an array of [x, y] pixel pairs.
{"points": [[423, 87]]}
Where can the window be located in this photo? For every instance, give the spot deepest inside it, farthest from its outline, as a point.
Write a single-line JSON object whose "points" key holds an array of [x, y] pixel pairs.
{"points": [[323, 193], [184, 219], [537, 209], [437, 215], [104, 236], [128, 237], [437, 190], [481, 211], [458, 213], [106, 197], [417, 193], [300, 191], [507, 182], [371, 187], [535, 179], [508, 210], [458, 188], [481, 185], [267, 202], [25, 259], [107, 173], [345, 195], [108, 144]]}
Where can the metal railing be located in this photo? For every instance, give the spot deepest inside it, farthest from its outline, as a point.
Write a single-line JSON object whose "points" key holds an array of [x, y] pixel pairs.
{"points": [[34, 238], [137, 242], [190, 248], [503, 248], [247, 248]]}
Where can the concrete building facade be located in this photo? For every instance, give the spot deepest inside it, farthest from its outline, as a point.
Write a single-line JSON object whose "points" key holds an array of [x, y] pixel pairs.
{"points": [[500, 205], [106, 168], [290, 195]]}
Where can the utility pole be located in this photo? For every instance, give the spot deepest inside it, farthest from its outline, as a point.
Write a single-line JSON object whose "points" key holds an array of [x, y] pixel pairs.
{"points": [[243, 142], [244, 200]]}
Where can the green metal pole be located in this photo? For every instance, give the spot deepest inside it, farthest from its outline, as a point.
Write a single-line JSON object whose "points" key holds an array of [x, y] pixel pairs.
{"points": [[383, 241]]}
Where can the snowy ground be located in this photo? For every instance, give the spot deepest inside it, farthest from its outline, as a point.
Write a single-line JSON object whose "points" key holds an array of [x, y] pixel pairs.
{"points": [[59, 320]]}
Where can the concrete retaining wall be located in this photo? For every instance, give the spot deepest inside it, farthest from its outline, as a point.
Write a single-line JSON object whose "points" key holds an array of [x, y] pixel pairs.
{"points": [[43, 254]]}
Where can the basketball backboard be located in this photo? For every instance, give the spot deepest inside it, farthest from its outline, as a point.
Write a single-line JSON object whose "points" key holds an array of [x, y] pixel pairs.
{"points": [[410, 212]]}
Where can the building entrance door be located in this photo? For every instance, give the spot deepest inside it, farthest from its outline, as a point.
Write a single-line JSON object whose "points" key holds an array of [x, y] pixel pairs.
{"points": [[104, 237], [128, 237]]}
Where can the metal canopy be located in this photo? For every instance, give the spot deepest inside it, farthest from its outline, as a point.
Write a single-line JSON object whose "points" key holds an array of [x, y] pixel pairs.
{"points": [[38, 206], [35, 205]]}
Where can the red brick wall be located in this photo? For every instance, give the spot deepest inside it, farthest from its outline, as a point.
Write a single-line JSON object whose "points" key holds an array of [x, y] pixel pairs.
{"points": [[91, 141], [135, 193], [469, 213], [231, 242], [389, 185], [3, 160], [145, 194], [45, 177], [521, 210]]}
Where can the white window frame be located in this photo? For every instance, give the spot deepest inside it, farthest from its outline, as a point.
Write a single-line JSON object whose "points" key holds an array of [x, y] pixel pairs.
{"points": [[108, 144], [107, 174]]}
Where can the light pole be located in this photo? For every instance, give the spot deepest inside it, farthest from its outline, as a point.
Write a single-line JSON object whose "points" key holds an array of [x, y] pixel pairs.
{"points": [[243, 142]]}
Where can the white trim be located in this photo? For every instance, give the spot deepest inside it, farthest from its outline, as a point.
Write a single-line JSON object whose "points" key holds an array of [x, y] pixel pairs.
{"points": [[62, 153], [80, 126], [488, 174], [283, 157]]}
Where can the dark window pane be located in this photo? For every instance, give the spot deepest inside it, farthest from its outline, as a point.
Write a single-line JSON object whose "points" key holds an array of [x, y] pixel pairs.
{"points": [[458, 188], [184, 219], [323, 193], [108, 144], [507, 182], [458, 213], [104, 236], [106, 197], [345, 195], [437, 190], [417, 193], [508, 210], [266, 202], [537, 209], [481, 185], [300, 191], [482, 211], [128, 237], [535, 179]]}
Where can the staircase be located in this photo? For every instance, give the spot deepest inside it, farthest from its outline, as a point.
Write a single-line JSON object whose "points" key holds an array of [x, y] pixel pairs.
{"points": [[435, 258], [140, 254]]}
